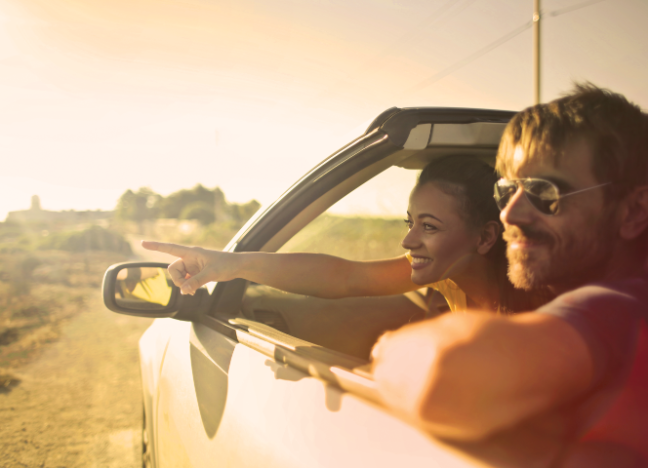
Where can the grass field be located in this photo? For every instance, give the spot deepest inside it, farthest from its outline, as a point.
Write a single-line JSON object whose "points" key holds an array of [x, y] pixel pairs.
{"points": [[355, 238]]}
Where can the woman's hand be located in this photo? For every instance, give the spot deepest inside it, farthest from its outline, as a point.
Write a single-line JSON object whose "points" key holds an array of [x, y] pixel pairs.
{"points": [[196, 266]]}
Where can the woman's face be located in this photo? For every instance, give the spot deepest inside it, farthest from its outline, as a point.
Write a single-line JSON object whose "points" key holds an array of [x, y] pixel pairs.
{"points": [[439, 241]]}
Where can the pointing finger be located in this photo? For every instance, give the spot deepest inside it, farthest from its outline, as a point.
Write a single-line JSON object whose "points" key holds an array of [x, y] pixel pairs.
{"points": [[172, 249]]}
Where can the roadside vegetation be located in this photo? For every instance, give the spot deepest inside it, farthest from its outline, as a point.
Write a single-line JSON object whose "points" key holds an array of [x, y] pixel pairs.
{"points": [[49, 270], [204, 217], [46, 275], [197, 216], [199, 203]]}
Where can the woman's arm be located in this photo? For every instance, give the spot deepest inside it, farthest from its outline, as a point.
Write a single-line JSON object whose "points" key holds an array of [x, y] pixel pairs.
{"points": [[301, 273]]}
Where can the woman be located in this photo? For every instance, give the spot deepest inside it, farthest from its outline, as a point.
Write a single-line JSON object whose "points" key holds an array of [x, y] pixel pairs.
{"points": [[454, 243], [460, 252]]}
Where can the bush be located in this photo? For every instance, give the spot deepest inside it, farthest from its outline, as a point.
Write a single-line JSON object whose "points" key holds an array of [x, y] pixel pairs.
{"points": [[173, 205], [93, 238], [199, 210], [17, 271], [242, 212], [137, 206]]}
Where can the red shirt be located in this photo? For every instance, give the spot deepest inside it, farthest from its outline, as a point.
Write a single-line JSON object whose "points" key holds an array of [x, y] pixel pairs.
{"points": [[611, 318]]}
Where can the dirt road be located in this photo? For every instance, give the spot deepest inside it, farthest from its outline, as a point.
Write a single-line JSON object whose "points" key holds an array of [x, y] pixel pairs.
{"points": [[79, 403]]}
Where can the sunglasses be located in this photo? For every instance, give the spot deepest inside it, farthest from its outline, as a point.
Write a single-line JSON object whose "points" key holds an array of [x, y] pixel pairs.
{"points": [[542, 194]]}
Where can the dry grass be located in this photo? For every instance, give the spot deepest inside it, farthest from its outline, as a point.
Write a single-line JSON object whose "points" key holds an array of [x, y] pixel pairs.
{"points": [[38, 291]]}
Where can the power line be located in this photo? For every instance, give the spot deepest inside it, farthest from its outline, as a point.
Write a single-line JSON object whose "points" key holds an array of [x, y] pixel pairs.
{"points": [[443, 12], [428, 21], [452, 68], [493, 45], [573, 8]]}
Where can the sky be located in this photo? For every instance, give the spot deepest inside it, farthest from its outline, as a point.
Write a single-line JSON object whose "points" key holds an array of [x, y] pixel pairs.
{"points": [[101, 96]]}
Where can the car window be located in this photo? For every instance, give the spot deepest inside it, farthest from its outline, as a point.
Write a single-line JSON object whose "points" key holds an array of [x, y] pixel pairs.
{"points": [[366, 224]]}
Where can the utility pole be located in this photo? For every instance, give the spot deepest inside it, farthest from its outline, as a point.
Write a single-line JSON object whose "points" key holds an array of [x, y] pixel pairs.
{"points": [[536, 51]]}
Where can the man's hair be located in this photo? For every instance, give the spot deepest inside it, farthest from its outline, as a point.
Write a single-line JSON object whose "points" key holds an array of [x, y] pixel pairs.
{"points": [[615, 130]]}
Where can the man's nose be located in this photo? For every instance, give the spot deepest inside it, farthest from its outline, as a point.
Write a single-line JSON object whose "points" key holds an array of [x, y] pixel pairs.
{"points": [[519, 210]]}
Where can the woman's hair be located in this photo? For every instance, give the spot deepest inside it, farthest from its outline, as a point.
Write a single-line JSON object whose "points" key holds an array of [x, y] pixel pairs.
{"points": [[468, 179], [472, 181]]}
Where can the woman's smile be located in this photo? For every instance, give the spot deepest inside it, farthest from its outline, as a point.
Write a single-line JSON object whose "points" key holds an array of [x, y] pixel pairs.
{"points": [[420, 262]]}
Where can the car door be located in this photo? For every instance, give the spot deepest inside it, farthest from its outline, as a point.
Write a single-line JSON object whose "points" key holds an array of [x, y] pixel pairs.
{"points": [[288, 384]]}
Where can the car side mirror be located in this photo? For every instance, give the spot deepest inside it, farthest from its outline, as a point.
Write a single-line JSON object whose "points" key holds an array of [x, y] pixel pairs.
{"points": [[145, 289]]}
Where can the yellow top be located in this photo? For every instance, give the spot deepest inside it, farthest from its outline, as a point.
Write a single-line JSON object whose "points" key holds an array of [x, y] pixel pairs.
{"points": [[453, 294]]}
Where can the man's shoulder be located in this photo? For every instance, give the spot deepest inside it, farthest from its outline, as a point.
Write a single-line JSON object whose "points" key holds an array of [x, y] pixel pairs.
{"points": [[607, 315], [633, 285], [629, 295]]}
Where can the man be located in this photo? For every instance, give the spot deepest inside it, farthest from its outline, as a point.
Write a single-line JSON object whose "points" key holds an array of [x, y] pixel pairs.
{"points": [[574, 203]]}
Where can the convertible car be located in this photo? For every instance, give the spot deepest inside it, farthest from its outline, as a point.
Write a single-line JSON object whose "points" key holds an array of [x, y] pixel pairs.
{"points": [[240, 375]]}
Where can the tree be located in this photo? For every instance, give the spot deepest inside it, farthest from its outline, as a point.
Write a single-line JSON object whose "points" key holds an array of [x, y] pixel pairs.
{"points": [[137, 206], [172, 206], [244, 211], [199, 210]]}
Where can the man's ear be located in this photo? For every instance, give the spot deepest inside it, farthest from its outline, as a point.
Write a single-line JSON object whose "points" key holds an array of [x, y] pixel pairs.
{"points": [[634, 214], [488, 236]]}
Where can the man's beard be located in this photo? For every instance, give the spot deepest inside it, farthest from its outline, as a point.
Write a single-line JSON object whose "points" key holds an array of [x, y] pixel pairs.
{"points": [[579, 260], [523, 271]]}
